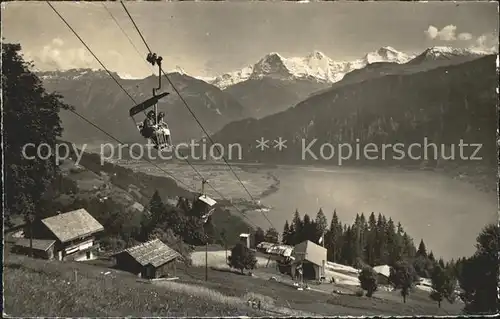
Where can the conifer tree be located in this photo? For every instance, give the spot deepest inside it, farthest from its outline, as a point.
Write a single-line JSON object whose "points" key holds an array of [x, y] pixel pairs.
{"points": [[334, 238], [479, 274], [421, 249], [272, 236], [307, 232], [297, 227], [321, 223], [259, 236], [286, 233], [30, 115]]}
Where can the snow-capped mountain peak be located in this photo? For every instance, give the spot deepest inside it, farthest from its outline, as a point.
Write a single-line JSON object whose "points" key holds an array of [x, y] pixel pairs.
{"points": [[319, 67], [386, 54], [179, 70], [443, 51], [313, 66], [316, 55], [74, 74], [273, 64]]}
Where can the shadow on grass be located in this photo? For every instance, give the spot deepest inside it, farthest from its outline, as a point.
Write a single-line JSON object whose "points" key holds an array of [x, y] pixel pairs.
{"points": [[229, 270]]}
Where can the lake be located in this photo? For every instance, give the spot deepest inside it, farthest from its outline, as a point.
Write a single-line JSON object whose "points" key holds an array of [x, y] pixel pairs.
{"points": [[447, 213]]}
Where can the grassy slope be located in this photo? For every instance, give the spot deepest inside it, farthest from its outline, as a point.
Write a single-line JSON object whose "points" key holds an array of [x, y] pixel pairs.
{"points": [[53, 291], [320, 303], [40, 288]]}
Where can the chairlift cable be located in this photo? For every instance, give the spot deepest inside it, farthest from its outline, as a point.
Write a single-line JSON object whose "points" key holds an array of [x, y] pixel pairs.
{"points": [[133, 100], [123, 31], [86, 46], [194, 115], [125, 34]]}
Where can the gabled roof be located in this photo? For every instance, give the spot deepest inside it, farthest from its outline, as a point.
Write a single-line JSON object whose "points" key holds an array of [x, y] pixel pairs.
{"points": [[138, 206], [309, 251], [282, 250], [38, 244], [153, 252], [265, 245], [383, 270], [71, 225]]}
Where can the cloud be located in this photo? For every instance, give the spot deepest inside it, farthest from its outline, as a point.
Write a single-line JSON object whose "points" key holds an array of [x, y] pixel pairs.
{"points": [[56, 55], [465, 36], [447, 33], [486, 42]]}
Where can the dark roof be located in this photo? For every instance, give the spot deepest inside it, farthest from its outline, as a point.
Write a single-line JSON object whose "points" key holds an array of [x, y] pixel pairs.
{"points": [[71, 225], [38, 244], [153, 252]]}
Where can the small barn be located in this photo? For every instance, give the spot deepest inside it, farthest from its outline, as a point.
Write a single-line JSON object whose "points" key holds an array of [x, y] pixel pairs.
{"points": [[383, 274], [152, 259], [42, 248], [311, 258]]}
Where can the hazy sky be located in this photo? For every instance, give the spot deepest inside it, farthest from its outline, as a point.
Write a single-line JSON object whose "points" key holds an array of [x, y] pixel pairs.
{"points": [[210, 38]]}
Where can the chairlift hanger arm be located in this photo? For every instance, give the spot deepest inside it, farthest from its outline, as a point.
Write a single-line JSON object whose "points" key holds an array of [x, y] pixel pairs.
{"points": [[155, 59]]}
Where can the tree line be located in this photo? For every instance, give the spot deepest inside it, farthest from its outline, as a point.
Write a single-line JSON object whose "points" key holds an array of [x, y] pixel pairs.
{"points": [[379, 241], [375, 240]]}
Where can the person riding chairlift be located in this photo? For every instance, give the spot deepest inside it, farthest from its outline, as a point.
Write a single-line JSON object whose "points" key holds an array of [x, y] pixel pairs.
{"points": [[148, 127], [162, 123]]}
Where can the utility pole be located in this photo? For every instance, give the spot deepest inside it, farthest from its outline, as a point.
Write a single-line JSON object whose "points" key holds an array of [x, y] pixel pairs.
{"points": [[30, 226], [206, 261]]}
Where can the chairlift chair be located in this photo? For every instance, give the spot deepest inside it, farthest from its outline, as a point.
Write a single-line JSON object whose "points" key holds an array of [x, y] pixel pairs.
{"points": [[204, 204], [161, 133]]}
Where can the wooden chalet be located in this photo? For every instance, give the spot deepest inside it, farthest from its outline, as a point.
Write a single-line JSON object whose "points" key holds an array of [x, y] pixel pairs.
{"points": [[152, 259], [67, 236]]}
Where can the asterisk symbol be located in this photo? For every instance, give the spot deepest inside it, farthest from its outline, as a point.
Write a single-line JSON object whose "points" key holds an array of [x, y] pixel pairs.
{"points": [[280, 143], [262, 144]]}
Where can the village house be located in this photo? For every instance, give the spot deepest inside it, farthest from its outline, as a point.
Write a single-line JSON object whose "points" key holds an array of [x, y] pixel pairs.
{"points": [[311, 258], [383, 274], [67, 236], [152, 259]]}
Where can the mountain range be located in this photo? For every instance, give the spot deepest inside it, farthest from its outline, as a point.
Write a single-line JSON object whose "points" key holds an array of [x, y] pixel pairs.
{"points": [[97, 97], [270, 86], [443, 104], [275, 83]]}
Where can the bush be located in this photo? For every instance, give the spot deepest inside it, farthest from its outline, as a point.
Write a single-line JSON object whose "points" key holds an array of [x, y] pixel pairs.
{"points": [[360, 292], [242, 258], [113, 244], [403, 276]]}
